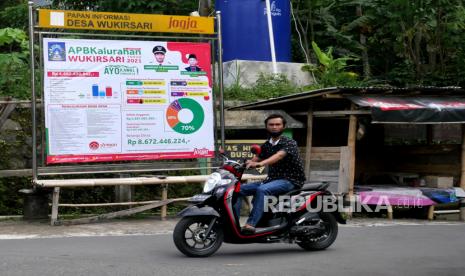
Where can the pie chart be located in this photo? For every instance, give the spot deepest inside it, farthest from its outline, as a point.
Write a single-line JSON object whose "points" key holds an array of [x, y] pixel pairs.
{"points": [[185, 116]]}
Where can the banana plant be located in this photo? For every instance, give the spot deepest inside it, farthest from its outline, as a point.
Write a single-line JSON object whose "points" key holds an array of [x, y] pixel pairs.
{"points": [[331, 71]]}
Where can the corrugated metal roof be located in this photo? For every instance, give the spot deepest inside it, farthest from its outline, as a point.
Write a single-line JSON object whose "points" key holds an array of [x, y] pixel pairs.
{"points": [[386, 90], [292, 97], [425, 89]]}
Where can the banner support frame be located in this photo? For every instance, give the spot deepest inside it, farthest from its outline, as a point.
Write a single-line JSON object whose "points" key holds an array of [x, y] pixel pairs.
{"points": [[34, 29], [220, 77], [33, 90]]}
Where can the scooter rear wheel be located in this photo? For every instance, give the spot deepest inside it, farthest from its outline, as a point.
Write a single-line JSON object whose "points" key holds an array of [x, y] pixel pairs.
{"points": [[189, 237], [326, 239]]}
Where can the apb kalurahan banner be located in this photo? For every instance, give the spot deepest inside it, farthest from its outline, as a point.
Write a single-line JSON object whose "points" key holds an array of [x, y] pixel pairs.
{"points": [[426, 110], [113, 100]]}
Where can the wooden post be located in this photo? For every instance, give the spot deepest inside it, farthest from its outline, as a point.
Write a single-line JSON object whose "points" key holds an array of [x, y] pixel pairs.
{"points": [[164, 197], [344, 164], [390, 212], [308, 148], [124, 193], [462, 209], [203, 162], [431, 212], [55, 202], [209, 165], [352, 136], [462, 176]]}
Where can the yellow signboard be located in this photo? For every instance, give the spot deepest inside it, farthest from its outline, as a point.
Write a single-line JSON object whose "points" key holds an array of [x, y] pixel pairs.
{"points": [[64, 19]]}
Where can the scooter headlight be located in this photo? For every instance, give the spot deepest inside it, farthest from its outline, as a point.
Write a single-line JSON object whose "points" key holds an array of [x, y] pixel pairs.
{"points": [[214, 180], [211, 182]]}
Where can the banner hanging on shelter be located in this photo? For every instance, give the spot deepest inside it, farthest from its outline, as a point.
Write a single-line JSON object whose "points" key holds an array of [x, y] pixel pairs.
{"points": [[114, 100], [413, 110]]}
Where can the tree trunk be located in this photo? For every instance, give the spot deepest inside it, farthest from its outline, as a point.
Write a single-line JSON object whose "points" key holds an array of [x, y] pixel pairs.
{"points": [[363, 41], [204, 7]]}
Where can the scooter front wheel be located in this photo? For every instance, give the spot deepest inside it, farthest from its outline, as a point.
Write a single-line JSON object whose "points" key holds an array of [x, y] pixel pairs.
{"points": [[189, 237]]}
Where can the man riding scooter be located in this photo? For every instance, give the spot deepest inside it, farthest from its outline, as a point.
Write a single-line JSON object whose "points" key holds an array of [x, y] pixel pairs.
{"points": [[285, 170], [213, 217]]}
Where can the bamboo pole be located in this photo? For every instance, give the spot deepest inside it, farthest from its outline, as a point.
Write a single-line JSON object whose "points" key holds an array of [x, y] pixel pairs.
{"points": [[117, 203], [132, 181]]}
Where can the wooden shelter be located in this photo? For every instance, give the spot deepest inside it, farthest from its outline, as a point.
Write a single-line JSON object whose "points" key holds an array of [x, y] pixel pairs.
{"points": [[341, 127]]}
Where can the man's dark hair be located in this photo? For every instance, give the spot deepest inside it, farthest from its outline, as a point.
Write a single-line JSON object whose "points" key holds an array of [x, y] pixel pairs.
{"points": [[274, 116]]}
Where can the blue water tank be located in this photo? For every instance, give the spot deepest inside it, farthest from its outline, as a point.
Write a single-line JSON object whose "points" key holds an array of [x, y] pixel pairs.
{"points": [[245, 29]]}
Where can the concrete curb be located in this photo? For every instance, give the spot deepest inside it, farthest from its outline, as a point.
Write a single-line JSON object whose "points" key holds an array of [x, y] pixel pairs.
{"points": [[19, 229]]}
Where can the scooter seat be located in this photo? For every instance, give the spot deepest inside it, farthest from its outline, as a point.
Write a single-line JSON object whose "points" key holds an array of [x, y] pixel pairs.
{"points": [[310, 187], [315, 186]]}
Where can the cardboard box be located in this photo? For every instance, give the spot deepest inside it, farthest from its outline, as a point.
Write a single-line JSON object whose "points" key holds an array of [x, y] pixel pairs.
{"points": [[442, 182]]}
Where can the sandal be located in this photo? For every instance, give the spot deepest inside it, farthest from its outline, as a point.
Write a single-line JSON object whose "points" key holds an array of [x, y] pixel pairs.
{"points": [[248, 228]]}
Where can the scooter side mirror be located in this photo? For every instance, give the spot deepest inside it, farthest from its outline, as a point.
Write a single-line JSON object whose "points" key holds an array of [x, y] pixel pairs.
{"points": [[256, 149], [221, 153]]}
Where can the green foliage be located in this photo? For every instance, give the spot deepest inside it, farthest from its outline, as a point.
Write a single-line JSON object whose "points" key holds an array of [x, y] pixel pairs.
{"points": [[14, 15], [14, 69], [331, 71], [418, 42], [11, 201], [267, 86]]}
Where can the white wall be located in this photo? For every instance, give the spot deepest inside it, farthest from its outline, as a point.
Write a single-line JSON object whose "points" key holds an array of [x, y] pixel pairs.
{"points": [[246, 72]]}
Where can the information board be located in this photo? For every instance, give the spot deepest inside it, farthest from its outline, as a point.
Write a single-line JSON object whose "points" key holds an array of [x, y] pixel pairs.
{"points": [[114, 100], [90, 20]]}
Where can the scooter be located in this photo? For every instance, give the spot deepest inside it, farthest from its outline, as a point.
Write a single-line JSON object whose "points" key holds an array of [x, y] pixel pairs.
{"points": [[211, 220]]}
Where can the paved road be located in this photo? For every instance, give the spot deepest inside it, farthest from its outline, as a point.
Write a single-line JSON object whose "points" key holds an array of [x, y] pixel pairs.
{"points": [[386, 250]]}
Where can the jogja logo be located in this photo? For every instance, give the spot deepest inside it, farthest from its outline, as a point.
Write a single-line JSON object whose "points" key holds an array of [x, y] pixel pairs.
{"points": [[182, 24], [94, 145], [56, 51], [275, 11], [201, 152]]}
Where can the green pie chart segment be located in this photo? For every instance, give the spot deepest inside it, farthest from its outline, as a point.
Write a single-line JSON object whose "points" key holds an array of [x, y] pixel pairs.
{"points": [[185, 128]]}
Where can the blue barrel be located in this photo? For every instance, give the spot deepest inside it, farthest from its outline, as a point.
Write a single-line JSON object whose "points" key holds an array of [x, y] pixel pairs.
{"points": [[245, 29]]}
